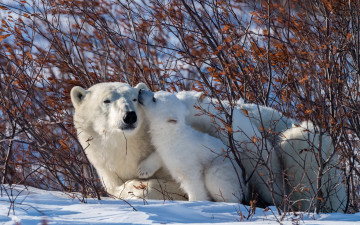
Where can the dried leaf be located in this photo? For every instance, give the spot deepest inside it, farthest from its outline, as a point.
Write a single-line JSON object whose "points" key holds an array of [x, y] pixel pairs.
{"points": [[226, 28], [227, 39], [2, 37], [254, 139], [228, 128], [245, 112], [29, 55], [202, 97], [62, 143], [140, 187]]}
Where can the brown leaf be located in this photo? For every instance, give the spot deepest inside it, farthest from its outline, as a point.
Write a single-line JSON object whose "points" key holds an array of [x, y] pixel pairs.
{"points": [[228, 128], [29, 55], [226, 28], [227, 39], [140, 187], [245, 112], [62, 143], [2, 37], [254, 139]]}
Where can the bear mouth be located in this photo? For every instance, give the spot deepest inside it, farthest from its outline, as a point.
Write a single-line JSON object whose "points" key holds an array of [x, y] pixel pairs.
{"points": [[128, 127]]}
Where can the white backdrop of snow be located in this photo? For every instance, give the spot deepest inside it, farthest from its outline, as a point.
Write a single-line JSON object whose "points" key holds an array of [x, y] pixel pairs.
{"points": [[32, 206]]}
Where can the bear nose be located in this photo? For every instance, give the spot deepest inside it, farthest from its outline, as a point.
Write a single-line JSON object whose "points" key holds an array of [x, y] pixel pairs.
{"points": [[130, 118]]}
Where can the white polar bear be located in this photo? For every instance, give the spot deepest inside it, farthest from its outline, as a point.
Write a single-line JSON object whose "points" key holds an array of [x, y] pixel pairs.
{"points": [[114, 134], [262, 117], [300, 146], [258, 158], [289, 140], [198, 161]]}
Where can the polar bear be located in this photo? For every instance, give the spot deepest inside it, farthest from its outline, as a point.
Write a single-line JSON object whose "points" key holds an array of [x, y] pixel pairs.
{"points": [[114, 134], [262, 117], [298, 144], [290, 141], [299, 147], [266, 118], [256, 155], [198, 161]]}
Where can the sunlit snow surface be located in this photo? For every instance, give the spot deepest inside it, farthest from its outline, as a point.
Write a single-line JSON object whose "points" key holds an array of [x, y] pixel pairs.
{"points": [[33, 206]]}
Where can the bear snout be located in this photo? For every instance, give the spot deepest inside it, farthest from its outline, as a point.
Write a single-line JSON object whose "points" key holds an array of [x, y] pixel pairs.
{"points": [[130, 118], [145, 97]]}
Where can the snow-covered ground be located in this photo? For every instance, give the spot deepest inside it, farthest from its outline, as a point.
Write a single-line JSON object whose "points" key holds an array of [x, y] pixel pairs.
{"points": [[34, 206]]}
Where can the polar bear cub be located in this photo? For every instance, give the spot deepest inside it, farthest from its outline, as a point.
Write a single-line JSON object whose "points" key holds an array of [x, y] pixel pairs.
{"points": [[198, 161], [300, 147]]}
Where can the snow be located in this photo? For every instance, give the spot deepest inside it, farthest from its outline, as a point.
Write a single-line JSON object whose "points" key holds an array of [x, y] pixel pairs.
{"points": [[34, 206]]}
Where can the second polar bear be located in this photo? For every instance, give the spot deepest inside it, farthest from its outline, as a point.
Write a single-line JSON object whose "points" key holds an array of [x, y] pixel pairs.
{"points": [[311, 164], [198, 161], [259, 159]]}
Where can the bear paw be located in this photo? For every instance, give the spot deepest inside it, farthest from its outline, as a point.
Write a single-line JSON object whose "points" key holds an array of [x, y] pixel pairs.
{"points": [[149, 166], [146, 170]]}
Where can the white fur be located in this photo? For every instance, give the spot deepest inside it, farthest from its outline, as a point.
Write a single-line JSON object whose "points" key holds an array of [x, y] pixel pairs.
{"points": [[266, 118], [299, 147], [194, 159], [116, 153], [112, 147], [259, 158]]}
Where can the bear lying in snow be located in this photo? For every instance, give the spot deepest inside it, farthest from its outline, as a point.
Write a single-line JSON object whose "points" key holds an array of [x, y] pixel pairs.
{"points": [[196, 160], [114, 133], [290, 142], [298, 146], [258, 157]]}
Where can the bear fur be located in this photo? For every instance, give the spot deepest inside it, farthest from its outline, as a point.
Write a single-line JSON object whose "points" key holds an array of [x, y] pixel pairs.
{"points": [[119, 152], [198, 161], [113, 131], [298, 146], [266, 118], [290, 142], [263, 175]]}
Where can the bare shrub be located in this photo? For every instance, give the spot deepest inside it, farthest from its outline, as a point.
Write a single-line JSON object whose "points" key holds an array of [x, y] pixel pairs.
{"points": [[299, 57]]}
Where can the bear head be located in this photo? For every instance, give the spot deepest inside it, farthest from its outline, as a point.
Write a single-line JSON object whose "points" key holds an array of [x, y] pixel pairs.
{"points": [[163, 107], [107, 108]]}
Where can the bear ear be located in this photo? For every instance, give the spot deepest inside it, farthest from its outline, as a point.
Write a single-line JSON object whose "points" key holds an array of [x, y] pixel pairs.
{"points": [[142, 86], [77, 95]]}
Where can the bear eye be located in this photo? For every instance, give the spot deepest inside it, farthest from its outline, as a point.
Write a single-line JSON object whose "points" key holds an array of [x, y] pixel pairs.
{"points": [[134, 99], [172, 121], [107, 101]]}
